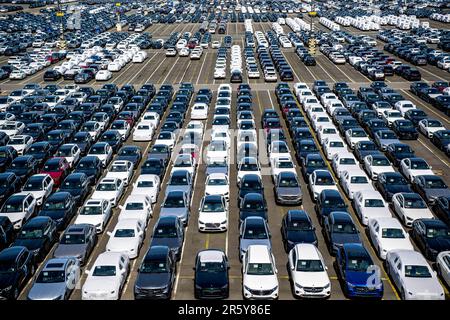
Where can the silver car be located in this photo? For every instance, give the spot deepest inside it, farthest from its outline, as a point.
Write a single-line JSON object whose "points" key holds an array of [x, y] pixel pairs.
{"points": [[253, 230], [56, 280], [78, 242], [287, 189]]}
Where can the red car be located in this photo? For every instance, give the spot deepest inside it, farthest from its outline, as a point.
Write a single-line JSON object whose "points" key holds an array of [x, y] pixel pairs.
{"points": [[57, 168]]}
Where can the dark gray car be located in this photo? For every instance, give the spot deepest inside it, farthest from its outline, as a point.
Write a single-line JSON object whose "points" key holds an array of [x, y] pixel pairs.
{"points": [[78, 242]]}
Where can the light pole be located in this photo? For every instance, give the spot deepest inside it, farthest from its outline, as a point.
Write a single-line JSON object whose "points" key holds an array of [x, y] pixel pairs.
{"points": [[118, 25], [60, 14]]}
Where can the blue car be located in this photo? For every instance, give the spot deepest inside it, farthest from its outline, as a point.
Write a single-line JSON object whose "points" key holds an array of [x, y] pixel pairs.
{"points": [[359, 275]]}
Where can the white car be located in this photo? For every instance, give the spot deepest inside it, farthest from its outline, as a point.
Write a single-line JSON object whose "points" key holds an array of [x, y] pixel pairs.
{"points": [[71, 152], [122, 170], [370, 204], [215, 44], [429, 126], [107, 277], [143, 132], [183, 52], [18, 208], [404, 105], [147, 184], [375, 165], [17, 75], [221, 134], [308, 272], [410, 207], [344, 161], [21, 143], [95, 212], [217, 184], [352, 136], [320, 180], [259, 273], [12, 128], [248, 165], [213, 214], [217, 150], [110, 189], [443, 266], [94, 128], [195, 126], [166, 138], [127, 237], [137, 206], [390, 116], [332, 146], [199, 111], [388, 234], [412, 167], [413, 276], [220, 73], [103, 75], [353, 181], [103, 151], [151, 118], [282, 164], [278, 149], [40, 186]]}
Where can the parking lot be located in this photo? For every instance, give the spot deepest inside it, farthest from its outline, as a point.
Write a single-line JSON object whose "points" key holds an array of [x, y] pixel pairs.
{"points": [[160, 69]]}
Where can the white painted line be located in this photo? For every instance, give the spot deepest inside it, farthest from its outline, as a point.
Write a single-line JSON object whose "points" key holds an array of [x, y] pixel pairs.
{"points": [[201, 68], [434, 153], [270, 98], [173, 66], [179, 264], [129, 274], [318, 64], [143, 67], [185, 70], [156, 69], [423, 104]]}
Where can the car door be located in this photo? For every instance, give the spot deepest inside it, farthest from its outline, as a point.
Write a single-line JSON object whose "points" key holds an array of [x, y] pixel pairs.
{"points": [[106, 211], [420, 235], [23, 269]]}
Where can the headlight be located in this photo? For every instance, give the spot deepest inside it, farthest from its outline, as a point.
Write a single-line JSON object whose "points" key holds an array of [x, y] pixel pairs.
{"points": [[98, 225], [274, 289], [112, 292], [298, 286], [223, 222], [247, 288], [327, 286], [350, 285], [200, 222]]}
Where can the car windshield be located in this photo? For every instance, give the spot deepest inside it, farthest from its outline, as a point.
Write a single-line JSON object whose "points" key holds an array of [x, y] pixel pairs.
{"points": [[388, 135], [358, 134], [336, 144], [392, 233], [134, 206], [124, 233], [12, 207], [213, 206], [261, 269], [179, 181], [35, 233], [54, 205], [380, 162], [309, 266], [288, 183], [154, 266], [52, 166], [343, 227], [106, 187], [412, 271], [104, 271], [359, 264], [434, 124], [73, 239], [47, 276], [33, 186], [97, 150], [373, 203], [359, 180], [324, 181], [119, 168], [174, 202], [435, 184], [438, 232], [316, 163], [347, 161], [253, 205], [299, 225], [217, 182], [145, 184], [165, 232], [255, 232], [211, 267]]}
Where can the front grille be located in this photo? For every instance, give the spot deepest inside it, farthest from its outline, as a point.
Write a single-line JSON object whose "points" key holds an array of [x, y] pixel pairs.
{"points": [[313, 289], [212, 225], [261, 292], [212, 292], [150, 291]]}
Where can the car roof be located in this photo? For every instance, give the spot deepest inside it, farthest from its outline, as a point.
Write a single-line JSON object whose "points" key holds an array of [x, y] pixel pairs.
{"points": [[56, 264], [306, 251], [211, 255], [410, 257], [341, 216], [59, 195], [127, 223], [429, 223], [108, 258], [37, 221], [355, 249], [157, 252], [258, 253], [387, 222]]}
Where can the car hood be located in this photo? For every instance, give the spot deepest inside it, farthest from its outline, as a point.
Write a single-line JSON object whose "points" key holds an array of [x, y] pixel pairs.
{"points": [[70, 250], [47, 291], [30, 244], [7, 279], [170, 188], [121, 244], [439, 244], [179, 212], [395, 188], [103, 195], [212, 217], [101, 284], [211, 280], [258, 282], [358, 278], [289, 191], [89, 219], [301, 236], [434, 193], [313, 279], [342, 238], [422, 285], [172, 243], [152, 280], [389, 141]]}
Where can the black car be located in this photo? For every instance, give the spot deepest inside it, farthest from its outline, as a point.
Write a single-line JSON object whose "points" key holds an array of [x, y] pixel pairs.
{"points": [[253, 204], [83, 140], [91, 166], [441, 207], [52, 75], [390, 183], [329, 200], [4, 138], [38, 235], [113, 138], [211, 275], [250, 183], [405, 129], [7, 233], [430, 187], [23, 167], [41, 151], [154, 166], [16, 268], [297, 227], [77, 184], [441, 139], [396, 152], [156, 274], [311, 162], [169, 231], [7, 155], [60, 207], [432, 236], [236, 76], [130, 153]]}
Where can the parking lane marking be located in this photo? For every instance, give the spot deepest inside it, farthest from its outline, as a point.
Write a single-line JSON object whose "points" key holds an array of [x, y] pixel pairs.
{"points": [[201, 68], [434, 153]]}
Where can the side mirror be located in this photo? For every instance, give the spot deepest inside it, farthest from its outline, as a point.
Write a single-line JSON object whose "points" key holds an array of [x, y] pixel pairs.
{"points": [[193, 268], [109, 233], [120, 207], [86, 271]]}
